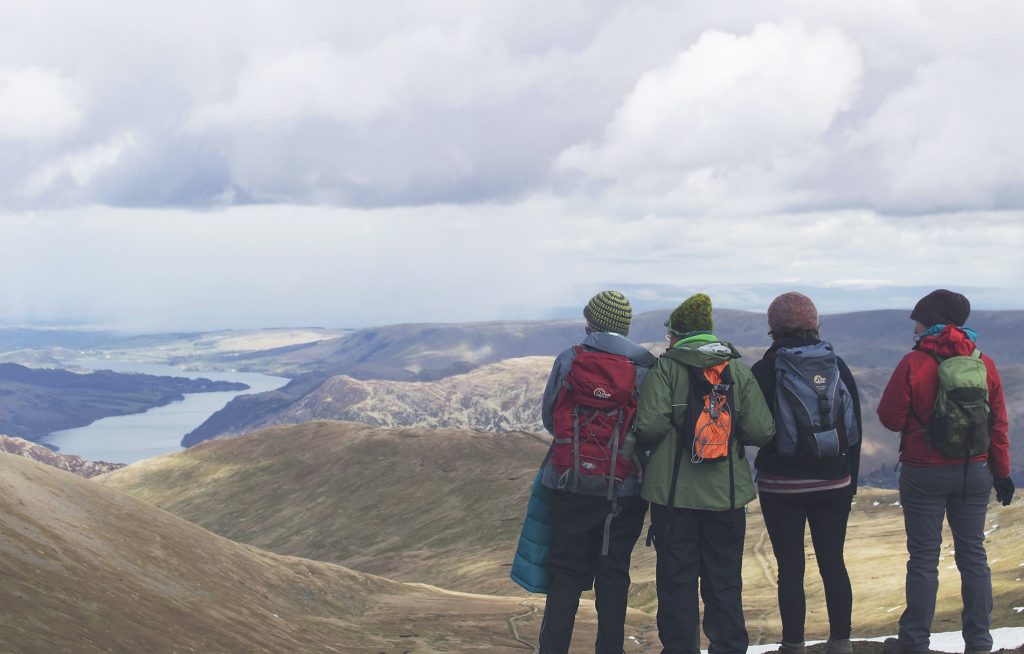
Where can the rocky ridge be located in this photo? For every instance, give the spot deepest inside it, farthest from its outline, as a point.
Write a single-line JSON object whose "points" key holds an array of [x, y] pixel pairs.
{"points": [[72, 463]]}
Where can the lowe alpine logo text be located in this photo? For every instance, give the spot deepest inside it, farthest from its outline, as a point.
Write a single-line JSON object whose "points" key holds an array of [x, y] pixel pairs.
{"points": [[819, 380], [601, 393]]}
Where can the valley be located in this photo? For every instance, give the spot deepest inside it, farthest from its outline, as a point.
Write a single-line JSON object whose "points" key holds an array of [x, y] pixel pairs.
{"points": [[445, 506], [373, 502]]}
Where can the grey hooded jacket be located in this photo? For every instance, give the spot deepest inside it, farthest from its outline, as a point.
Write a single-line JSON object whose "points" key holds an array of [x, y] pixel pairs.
{"points": [[605, 342]]}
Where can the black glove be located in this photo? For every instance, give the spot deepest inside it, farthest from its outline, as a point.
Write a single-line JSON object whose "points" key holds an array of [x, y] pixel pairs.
{"points": [[1004, 490]]}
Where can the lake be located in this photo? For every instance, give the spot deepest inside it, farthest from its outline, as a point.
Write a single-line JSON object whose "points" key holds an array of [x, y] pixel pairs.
{"points": [[126, 439]]}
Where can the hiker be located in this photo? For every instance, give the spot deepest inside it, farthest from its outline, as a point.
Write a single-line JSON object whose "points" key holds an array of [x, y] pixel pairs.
{"points": [[698, 407], [593, 469], [808, 473], [946, 400]]}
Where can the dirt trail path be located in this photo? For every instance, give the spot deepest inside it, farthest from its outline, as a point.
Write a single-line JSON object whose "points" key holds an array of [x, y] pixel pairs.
{"points": [[766, 563], [515, 628]]}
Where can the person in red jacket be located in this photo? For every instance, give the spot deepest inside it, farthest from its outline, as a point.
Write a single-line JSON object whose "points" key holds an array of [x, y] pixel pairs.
{"points": [[933, 485]]}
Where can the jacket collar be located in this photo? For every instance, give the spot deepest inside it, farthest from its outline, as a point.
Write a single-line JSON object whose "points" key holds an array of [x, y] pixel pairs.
{"points": [[789, 341], [613, 343]]}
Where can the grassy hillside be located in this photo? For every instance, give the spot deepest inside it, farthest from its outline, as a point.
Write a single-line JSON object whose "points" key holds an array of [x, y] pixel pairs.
{"points": [[435, 507], [88, 570], [445, 507]]}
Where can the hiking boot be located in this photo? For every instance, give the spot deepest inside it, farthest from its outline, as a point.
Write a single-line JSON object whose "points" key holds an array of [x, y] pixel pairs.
{"points": [[839, 646], [792, 648], [894, 646]]}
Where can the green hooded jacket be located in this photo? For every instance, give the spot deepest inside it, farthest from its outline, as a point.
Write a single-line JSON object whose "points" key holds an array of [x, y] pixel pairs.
{"points": [[662, 405]]}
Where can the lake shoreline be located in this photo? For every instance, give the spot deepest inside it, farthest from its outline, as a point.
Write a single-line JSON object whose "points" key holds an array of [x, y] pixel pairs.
{"points": [[127, 438]]}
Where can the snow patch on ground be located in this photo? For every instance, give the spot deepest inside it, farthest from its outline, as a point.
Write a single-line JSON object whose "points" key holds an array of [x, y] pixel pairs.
{"points": [[1002, 638]]}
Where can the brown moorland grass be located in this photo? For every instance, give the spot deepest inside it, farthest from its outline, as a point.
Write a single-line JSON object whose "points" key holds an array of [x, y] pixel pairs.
{"points": [[87, 569], [445, 507]]}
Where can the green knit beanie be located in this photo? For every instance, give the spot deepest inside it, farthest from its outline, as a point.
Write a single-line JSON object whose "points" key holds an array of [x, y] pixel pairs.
{"points": [[693, 315], [609, 311]]}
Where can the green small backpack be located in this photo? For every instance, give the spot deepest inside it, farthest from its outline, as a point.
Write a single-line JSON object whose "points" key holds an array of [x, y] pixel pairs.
{"points": [[960, 424]]}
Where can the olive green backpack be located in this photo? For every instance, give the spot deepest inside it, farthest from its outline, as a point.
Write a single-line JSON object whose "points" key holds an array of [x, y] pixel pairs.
{"points": [[960, 425]]}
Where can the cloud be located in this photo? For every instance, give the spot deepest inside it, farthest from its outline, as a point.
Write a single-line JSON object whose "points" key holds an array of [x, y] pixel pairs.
{"points": [[680, 108], [80, 167], [200, 163], [406, 71], [727, 101], [942, 141], [37, 105], [255, 266]]}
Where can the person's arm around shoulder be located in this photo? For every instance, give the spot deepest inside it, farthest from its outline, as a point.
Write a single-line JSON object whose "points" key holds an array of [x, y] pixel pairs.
{"points": [[757, 427], [999, 443], [554, 386], [654, 406], [764, 373], [854, 451], [895, 406]]}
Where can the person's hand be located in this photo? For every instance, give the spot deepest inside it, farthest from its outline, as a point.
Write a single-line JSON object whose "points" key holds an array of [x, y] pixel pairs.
{"points": [[1004, 490]]}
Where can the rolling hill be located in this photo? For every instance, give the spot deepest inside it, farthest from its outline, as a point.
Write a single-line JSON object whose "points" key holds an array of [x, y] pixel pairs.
{"points": [[89, 570], [445, 507]]}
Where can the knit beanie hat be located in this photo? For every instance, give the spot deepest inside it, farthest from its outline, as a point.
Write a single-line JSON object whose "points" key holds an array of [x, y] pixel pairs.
{"points": [[791, 312], [609, 311], [693, 315], [942, 307]]}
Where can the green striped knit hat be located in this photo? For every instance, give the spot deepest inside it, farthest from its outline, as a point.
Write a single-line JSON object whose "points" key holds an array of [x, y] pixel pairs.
{"points": [[609, 311], [693, 315]]}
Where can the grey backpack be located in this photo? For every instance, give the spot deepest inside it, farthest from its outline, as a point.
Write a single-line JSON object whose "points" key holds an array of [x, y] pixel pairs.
{"points": [[814, 415]]}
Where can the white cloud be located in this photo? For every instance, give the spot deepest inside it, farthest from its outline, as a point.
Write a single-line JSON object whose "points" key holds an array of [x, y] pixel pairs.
{"points": [[289, 265], [727, 100], [945, 139], [37, 105], [405, 71], [80, 167], [511, 153]]}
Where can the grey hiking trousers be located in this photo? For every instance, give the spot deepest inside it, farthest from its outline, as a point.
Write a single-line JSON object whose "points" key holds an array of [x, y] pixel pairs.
{"points": [[927, 493]]}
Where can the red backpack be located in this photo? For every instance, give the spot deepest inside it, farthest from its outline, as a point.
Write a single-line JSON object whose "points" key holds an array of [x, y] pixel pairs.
{"points": [[593, 413]]}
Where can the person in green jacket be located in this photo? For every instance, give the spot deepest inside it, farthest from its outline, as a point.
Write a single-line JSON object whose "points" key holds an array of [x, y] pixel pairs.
{"points": [[698, 495]]}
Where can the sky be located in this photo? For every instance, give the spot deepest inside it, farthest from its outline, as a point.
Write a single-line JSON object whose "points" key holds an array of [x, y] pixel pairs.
{"points": [[198, 165]]}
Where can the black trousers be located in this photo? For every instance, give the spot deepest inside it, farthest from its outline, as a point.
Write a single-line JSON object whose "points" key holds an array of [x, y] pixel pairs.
{"points": [[707, 546], [574, 560], [827, 513]]}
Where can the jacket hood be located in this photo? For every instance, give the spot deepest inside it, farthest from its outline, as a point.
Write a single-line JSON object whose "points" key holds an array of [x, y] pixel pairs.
{"points": [[702, 354], [950, 342]]}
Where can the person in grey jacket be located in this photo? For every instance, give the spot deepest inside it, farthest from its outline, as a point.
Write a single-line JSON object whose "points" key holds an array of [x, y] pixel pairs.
{"points": [[580, 520]]}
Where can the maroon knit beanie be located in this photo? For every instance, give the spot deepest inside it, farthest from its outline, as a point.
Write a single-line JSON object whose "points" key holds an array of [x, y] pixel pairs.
{"points": [[791, 312], [942, 307]]}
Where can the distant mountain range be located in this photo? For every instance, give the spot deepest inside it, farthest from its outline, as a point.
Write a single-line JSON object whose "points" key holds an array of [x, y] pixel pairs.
{"points": [[37, 401], [402, 375], [424, 352]]}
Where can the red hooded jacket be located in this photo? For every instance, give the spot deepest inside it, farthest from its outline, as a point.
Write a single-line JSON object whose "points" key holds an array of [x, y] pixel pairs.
{"points": [[909, 399]]}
